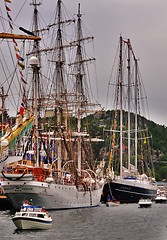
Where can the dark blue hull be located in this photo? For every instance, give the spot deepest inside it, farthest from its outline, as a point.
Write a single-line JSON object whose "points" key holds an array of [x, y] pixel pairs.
{"points": [[126, 193]]}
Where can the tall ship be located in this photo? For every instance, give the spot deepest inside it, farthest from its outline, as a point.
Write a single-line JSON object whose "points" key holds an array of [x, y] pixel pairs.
{"points": [[51, 154], [130, 173]]}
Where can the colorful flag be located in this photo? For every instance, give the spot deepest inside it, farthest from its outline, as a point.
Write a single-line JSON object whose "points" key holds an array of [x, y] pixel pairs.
{"points": [[19, 58], [22, 107], [21, 65], [8, 9]]}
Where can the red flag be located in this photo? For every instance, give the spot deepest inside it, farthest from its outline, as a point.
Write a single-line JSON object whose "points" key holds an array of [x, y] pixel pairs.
{"points": [[8, 9], [22, 107]]}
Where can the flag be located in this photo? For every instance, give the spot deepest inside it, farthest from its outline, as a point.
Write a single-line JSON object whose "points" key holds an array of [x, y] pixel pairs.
{"points": [[23, 80], [21, 74], [21, 65], [123, 147], [111, 156], [9, 17], [19, 58], [22, 107], [8, 9], [10, 25]]}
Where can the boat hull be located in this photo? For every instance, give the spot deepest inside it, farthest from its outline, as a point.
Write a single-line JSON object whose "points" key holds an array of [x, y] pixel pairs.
{"points": [[129, 191], [30, 223], [145, 203], [161, 199], [51, 196], [112, 203]]}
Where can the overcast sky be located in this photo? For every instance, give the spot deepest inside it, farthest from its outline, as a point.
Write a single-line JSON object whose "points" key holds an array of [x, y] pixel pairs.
{"points": [[145, 23]]}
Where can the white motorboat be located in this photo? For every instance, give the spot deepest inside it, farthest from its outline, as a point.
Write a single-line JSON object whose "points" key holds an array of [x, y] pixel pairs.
{"points": [[144, 203], [112, 203], [161, 199], [32, 217]]}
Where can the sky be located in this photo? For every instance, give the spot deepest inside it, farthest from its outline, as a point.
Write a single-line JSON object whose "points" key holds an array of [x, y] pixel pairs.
{"points": [[144, 22]]}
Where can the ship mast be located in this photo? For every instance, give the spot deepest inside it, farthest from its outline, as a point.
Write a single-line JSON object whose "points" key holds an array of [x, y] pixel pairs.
{"points": [[82, 101], [79, 85], [35, 64], [60, 90], [3, 96], [129, 98], [121, 104], [136, 107]]}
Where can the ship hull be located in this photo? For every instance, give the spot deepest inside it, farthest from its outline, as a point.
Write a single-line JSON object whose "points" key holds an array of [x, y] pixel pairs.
{"points": [[51, 196], [129, 191]]}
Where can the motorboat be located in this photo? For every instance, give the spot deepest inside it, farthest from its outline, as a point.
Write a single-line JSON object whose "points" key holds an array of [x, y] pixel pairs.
{"points": [[161, 199], [112, 203], [32, 217], [144, 203]]}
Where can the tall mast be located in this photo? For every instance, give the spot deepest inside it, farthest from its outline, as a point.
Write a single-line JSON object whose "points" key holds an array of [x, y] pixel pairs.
{"points": [[35, 64], [136, 107], [79, 86], [129, 96], [121, 106], [59, 78], [3, 96]]}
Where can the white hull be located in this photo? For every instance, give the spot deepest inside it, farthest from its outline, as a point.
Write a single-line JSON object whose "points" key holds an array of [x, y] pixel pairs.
{"points": [[26, 223], [32, 217], [50, 195], [112, 203], [161, 199], [144, 203]]}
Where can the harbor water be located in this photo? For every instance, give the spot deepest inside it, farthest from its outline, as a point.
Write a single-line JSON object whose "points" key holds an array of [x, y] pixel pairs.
{"points": [[124, 222]]}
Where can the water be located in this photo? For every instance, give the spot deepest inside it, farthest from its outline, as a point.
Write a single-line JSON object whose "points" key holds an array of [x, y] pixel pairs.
{"points": [[124, 222]]}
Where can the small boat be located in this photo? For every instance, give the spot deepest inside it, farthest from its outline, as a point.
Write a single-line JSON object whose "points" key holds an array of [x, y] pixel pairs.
{"points": [[112, 203], [144, 203], [161, 199], [32, 217]]}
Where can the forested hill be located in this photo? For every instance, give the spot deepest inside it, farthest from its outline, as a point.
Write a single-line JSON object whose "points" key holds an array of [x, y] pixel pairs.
{"points": [[102, 120]]}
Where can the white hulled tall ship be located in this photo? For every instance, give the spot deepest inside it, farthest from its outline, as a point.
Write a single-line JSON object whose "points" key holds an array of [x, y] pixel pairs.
{"points": [[56, 169]]}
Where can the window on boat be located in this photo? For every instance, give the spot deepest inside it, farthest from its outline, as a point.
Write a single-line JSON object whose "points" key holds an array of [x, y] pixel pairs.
{"points": [[40, 215], [24, 214], [18, 214], [32, 215]]}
